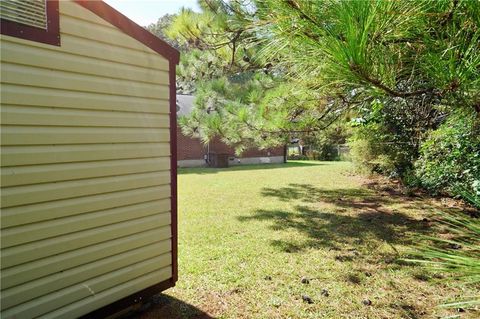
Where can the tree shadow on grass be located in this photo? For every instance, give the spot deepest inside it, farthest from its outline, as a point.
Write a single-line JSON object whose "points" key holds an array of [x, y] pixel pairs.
{"points": [[347, 197], [358, 216], [328, 229]]}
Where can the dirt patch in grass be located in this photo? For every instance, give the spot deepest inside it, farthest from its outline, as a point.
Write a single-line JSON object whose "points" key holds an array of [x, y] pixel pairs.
{"points": [[165, 306]]}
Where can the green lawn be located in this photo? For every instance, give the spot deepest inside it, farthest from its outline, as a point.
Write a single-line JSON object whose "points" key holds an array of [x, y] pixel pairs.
{"points": [[247, 236]]}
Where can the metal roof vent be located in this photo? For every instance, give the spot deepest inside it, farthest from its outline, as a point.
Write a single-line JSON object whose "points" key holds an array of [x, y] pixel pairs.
{"points": [[29, 12]]}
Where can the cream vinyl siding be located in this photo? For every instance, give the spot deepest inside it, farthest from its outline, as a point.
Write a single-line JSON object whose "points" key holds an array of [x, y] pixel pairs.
{"points": [[85, 169]]}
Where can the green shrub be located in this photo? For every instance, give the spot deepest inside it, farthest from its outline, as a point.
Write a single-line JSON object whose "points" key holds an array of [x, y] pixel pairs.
{"points": [[298, 157], [312, 154], [325, 152], [362, 153], [371, 149], [323, 145], [388, 133], [450, 156], [328, 152]]}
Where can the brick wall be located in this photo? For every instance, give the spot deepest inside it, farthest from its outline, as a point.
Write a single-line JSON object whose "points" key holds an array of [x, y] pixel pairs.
{"points": [[192, 148], [189, 148]]}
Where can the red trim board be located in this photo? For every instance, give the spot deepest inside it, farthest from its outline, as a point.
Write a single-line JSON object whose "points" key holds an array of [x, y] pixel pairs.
{"points": [[173, 166]]}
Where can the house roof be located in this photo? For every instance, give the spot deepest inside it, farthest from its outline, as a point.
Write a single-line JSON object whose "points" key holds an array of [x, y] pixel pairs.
{"points": [[185, 104], [129, 27]]}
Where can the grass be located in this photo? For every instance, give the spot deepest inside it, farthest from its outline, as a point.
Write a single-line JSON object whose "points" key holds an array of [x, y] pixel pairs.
{"points": [[248, 235]]}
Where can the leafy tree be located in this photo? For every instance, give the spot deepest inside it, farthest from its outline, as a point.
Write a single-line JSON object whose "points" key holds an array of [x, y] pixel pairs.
{"points": [[266, 71], [159, 28], [324, 145], [334, 56], [242, 96], [404, 66], [387, 49], [216, 43], [388, 134]]}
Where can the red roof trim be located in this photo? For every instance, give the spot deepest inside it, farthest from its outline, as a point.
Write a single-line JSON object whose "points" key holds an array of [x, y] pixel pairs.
{"points": [[129, 27], [49, 36]]}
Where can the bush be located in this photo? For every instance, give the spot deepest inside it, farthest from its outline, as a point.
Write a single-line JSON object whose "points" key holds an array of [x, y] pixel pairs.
{"points": [[371, 150], [328, 152], [313, 154], [298, 157], [323, 145], [450, 156], [325, 152], [362, 153], [388, 133]]}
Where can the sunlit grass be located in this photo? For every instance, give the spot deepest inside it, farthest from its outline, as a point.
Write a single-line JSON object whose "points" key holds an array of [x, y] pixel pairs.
{"points": [[248, 235]]}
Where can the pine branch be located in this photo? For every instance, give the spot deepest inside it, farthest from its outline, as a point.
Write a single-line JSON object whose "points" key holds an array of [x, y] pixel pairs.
{"points": [[378, 84]]}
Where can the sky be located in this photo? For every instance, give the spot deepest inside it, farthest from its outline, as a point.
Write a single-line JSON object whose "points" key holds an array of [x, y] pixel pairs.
{"points": [[144, 12]]}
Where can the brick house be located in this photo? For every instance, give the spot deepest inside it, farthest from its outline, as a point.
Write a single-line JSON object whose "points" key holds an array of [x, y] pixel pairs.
{"points": [[191, 152]]}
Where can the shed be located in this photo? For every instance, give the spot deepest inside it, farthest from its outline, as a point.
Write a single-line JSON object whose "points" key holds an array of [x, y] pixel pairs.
{"points": [[88, 160]]}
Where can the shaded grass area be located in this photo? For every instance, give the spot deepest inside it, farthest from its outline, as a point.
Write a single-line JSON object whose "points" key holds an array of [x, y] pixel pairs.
{"points": [[210, 170], [263, 241]]}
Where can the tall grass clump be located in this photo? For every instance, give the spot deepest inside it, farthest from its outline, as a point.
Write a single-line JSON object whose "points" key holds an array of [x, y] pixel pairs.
{"points": [[458, 255]]}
